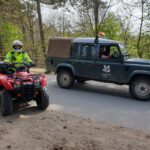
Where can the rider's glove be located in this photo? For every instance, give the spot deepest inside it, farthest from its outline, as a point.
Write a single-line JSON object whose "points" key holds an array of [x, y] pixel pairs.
{"points": [[31, 64], [13, 65]]}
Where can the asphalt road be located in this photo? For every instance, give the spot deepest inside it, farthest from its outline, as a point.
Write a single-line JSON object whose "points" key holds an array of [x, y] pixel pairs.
{"points": [[101, 102]]}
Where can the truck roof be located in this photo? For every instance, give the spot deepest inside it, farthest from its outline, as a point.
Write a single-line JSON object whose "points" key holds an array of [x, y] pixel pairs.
{"points": [[60, 47], [91, 40]]}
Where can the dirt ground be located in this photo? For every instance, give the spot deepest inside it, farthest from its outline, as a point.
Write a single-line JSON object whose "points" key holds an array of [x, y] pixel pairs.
{"points": [[28, 129]]}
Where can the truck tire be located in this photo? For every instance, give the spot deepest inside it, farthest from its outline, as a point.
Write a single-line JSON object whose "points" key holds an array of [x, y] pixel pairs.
{"points": [[65, 79], [6, 103], [140, 88], [42, 99]]}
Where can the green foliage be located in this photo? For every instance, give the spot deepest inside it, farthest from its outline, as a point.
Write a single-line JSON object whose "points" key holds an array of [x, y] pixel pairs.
{"points": [[145, 45], [18, 20], [8, 33], [111, 27]]}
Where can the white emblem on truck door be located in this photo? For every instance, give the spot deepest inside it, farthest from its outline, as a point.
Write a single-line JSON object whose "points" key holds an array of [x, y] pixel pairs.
{"points": [[106, 69]]}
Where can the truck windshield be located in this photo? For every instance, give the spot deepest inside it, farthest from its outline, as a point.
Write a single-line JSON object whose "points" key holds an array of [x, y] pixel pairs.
{"points": [[124, 50]]}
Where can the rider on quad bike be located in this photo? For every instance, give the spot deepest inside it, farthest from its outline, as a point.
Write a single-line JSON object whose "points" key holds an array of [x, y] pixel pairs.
{"points": [[17, 56], [17, 84]]}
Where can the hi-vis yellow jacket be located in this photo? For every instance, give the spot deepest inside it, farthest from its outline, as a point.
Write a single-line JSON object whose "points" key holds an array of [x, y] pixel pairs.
{"points": [[18, 57]]}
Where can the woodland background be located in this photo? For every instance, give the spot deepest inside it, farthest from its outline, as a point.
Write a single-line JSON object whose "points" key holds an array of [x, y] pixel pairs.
{"points": [[123, 20]]}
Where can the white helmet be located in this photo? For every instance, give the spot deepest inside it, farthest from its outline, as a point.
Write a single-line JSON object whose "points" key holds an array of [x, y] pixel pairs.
{"points": [[17, 42]]}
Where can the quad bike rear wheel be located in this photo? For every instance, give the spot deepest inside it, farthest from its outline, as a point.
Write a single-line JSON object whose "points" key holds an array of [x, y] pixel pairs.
{"points": [[42, 99], [6, 103]]}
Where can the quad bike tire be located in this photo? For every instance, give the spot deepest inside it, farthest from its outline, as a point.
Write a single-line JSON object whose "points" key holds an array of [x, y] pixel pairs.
{"points": [[6, 103], [42, 99]]}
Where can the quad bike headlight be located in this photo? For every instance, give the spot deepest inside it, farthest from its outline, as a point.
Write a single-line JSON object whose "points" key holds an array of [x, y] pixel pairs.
{"points": [[17, 85], [37, 84]]}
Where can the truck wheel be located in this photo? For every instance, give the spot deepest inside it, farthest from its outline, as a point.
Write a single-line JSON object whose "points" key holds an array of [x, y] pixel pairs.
{"points": [[6, 103], [140, 88], [65, 79], [42, 99]]}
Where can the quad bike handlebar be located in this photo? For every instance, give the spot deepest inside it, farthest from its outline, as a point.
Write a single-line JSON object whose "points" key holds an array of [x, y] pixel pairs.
{"points": [[7, 68], [13, 65]]}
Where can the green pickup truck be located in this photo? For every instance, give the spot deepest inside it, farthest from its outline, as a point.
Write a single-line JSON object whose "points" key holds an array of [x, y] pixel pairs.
{"points": [[82, 59]]}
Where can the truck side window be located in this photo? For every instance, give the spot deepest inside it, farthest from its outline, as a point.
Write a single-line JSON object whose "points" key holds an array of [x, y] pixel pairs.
{"points": [[114, 52], [87, 51], [104, 51], [75, 50], [108, 51]]}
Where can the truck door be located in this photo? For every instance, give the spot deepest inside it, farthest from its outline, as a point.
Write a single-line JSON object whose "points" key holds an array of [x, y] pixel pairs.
{"points": [[84, 61], [109, 65]]}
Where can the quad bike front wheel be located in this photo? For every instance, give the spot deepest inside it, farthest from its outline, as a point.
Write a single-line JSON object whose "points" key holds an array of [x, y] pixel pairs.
{"points": [[6, 103], [42, 99]]}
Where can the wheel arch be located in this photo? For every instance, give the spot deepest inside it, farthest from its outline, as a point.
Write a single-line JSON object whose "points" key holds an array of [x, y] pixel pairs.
{"points": [[65, 67], [139, 74]]}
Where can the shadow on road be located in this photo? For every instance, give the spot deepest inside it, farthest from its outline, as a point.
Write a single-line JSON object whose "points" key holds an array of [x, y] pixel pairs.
{"points": [[104, 88], [24, 110]]}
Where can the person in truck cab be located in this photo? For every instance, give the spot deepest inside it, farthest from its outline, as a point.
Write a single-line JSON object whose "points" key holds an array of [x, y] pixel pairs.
{"points": [[103, 53], [17, 56]]}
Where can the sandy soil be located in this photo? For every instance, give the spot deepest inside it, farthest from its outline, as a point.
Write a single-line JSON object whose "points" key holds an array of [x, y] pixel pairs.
{"points": [[30, 129]]}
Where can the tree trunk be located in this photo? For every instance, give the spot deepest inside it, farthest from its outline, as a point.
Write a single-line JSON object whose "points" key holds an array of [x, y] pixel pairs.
{"points": [[1, 46], [41, 27], [22, 23], [96, 15], [140, 32]]}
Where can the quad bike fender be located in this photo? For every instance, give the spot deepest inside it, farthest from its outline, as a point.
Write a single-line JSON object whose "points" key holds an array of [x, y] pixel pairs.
{"points": [[4, 82], [43, 81]]}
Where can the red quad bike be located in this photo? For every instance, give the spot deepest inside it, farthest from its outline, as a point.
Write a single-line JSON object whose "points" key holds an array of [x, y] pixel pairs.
{"points": [[21, 86]]}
